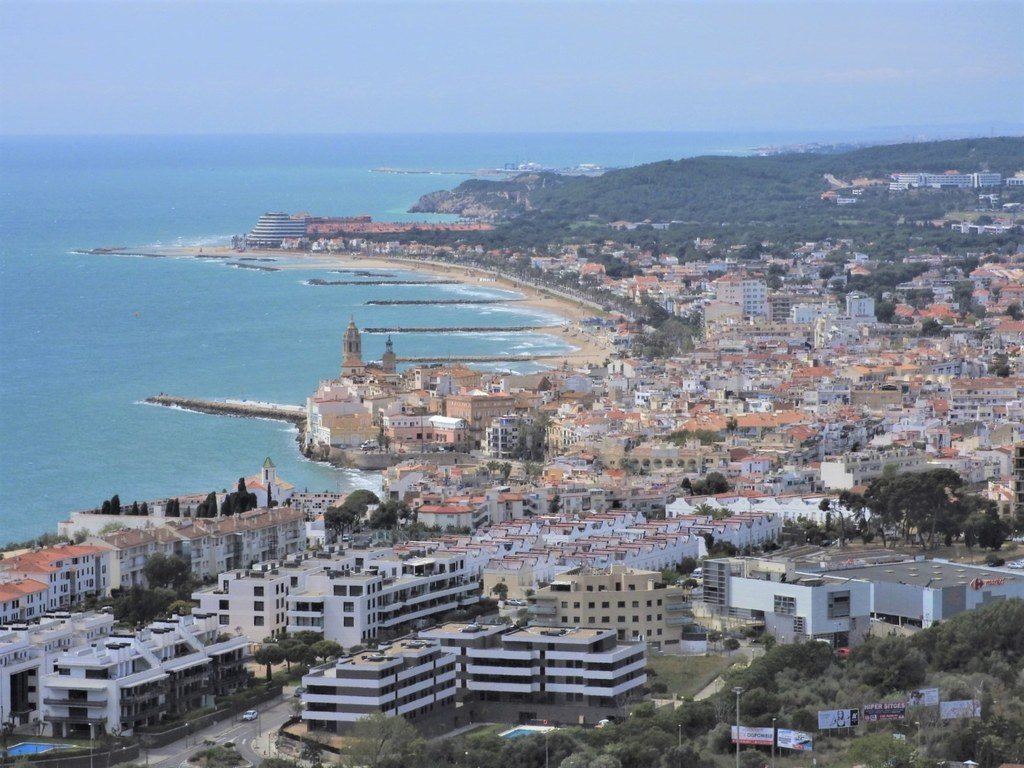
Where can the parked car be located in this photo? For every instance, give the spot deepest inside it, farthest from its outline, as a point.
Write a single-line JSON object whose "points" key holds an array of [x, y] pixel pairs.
{"points": [[298, 692], [250, 714]]}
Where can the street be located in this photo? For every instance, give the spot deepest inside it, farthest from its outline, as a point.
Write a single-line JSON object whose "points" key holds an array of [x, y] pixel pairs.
{"points": [[254, 739]]}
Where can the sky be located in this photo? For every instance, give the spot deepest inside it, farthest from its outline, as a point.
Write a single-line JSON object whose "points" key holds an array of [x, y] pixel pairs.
{"points": [[420, 66]]}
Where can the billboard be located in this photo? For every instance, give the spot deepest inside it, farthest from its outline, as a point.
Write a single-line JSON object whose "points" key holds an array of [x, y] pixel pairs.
{"points": [[952, 710], [798, 740], [923, 697], [887, 710], [762, 737], [838, 718]]}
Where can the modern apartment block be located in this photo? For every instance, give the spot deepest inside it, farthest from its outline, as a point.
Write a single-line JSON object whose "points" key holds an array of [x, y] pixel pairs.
{"points": [[129, 680], [359, 600], [636, 604], [793, 606], [473, 673], [410, 678], [30, 649], [254, 601], [69, 572], [574, 675]]}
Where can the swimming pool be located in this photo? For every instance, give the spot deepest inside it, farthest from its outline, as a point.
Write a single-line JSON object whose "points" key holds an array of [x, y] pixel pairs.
{"points": [[525, 730], [32, 748]]}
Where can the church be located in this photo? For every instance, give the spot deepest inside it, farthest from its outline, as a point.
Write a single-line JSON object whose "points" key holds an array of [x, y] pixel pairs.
{"points": [[352, 366]]}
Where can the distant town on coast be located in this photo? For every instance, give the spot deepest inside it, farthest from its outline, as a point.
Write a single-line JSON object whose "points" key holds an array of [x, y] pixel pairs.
{"points": [[767, 498]]}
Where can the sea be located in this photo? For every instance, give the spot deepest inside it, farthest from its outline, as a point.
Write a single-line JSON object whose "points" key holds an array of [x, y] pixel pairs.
{"points": [[85, 338]]}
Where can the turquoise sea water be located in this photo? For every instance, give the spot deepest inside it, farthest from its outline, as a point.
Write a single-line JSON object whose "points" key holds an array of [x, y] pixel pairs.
{"points": [[84, 338]]}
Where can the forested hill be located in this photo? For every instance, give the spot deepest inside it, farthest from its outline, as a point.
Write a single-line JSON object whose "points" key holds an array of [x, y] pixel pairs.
{"points": [[739, 190]]}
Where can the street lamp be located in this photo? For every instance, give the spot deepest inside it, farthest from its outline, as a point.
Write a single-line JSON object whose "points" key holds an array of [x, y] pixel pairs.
{"points": [[737, 690], [679, 746], [774, 738]]}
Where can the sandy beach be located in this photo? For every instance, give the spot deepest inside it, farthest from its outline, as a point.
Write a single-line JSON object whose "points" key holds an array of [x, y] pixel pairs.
{"points": [[590, 348]]}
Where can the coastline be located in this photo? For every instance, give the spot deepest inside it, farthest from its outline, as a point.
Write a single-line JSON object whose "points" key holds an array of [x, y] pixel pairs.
{"points": [[588, 348]]}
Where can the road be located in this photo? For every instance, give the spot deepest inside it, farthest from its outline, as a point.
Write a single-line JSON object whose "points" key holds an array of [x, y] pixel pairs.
{"points": [[253, 739]]}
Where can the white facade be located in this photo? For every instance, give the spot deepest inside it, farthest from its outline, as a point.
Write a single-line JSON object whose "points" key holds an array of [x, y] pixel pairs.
{"points": [[861, 467], [793, 606]]}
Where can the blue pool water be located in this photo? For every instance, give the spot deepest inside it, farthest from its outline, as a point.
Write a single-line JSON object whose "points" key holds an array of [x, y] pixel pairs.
{"points": [[32, 748]]}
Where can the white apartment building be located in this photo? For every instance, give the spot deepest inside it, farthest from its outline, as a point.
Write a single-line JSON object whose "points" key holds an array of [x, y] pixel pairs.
{"points": [[748, 293], [28, 650], [503, 434], [254, 601], [860, 306], [861, 467], [359, 600], [793, 606], [983, 398], [950, 179], [130, 680], [410, 677]]}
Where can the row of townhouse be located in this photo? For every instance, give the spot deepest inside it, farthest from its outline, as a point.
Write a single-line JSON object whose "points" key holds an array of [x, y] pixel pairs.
{"points": [[496, 672], [211, 546], [52, 579], [80, 678]]}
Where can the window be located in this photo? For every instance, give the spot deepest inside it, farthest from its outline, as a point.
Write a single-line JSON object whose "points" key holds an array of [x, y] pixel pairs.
{"points": [[257, 621], [348, 621], [785, 605], [621, 604], [604, 605], [349, 607], [257, 591], [258, 605], [355, 591], [606, 619], [839, 605], [224, 605], [224, 620]]}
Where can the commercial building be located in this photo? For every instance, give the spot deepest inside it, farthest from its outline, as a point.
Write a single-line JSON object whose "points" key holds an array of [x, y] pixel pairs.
{"points": [[636, 604], [919, 593], [793, 606], [130, 680], [411, 678]]}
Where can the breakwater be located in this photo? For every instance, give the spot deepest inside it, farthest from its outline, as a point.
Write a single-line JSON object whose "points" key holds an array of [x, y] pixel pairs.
{"points": [[434, 302], [294, 414], [321, 281], [480, 358], [461, 329]]}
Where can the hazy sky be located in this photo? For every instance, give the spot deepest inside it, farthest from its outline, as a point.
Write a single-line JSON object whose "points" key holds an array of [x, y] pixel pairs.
{"points": [[422, 66]]}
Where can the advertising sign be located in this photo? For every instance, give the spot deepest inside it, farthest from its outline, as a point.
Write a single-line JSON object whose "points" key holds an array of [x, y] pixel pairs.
{"points": [[838, 718], [924, 697], [762, 737], [798, 740], [952, 710], [888, 710]]}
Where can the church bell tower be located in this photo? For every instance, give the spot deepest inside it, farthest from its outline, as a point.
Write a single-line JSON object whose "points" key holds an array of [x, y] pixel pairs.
{"points": [[352, 351]]}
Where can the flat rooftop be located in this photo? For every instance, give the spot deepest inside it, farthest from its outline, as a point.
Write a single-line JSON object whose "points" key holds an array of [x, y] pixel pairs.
{"points": [[927, 573]]}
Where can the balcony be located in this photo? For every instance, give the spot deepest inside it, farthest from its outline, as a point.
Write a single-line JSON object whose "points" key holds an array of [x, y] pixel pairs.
{"points": [[74, 702], [542, 609]]}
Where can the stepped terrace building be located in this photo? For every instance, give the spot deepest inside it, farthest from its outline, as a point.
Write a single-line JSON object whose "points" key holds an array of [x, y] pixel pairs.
{"points": [[131, 680], [272, 229]]}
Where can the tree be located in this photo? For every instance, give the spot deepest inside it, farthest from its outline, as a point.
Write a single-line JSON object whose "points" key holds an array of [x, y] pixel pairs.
{"points": [[387, 514], [380, 741], [501, 590], [326, 649], [337, 520], [269, 654], [140, 606], [115, 504], [171, 571], [931, 327]]}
